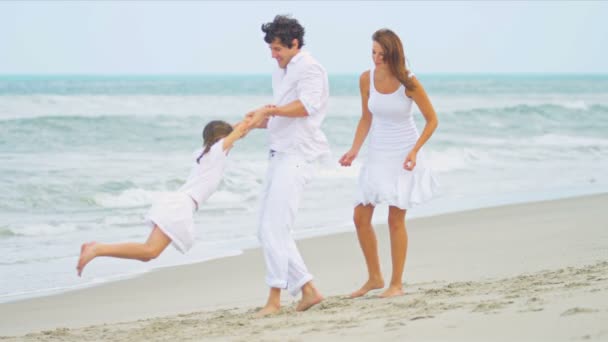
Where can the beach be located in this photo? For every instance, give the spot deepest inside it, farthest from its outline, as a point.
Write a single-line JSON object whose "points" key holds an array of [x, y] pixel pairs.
{"points": [[534, 271], [113, 145]]}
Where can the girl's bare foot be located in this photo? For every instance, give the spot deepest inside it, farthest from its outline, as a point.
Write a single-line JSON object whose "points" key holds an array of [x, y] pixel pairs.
{"points": [[269, 309], [368, 286], [87, 253], [392, 291]]}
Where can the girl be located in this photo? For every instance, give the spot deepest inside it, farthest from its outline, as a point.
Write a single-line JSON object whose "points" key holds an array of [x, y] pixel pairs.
{"points": [[171, 216]]}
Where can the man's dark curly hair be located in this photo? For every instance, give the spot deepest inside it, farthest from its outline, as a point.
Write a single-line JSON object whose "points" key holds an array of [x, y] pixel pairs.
{"points": [[286, 29]]}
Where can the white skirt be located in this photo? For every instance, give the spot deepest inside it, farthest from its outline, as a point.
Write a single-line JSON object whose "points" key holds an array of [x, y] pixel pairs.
{"points": [[384, 180], [172, 213]]}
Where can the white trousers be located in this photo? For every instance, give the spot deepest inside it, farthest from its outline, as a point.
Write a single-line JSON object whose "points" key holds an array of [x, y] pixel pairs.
{"points": [[285, 180]]}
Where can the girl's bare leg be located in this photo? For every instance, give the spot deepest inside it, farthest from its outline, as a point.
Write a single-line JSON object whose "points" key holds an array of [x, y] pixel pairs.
{"points": [[369, 245], [398, 233], [156, 243]]}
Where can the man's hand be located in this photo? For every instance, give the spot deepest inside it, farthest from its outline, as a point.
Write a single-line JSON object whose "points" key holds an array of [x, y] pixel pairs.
{"points": [[258, 117]]}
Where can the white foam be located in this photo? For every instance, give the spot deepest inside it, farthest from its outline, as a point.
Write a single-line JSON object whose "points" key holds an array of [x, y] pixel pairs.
{"points": [[340, 172], [575, 105], [43, 229], [137, 197], [454, 158], [33, 106], [226, 197], [562, 141], [445, 104], [127, 199]]}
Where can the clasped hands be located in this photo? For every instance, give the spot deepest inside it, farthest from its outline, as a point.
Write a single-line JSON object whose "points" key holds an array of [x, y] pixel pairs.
{"points": [[254, 119], [257, 118]]}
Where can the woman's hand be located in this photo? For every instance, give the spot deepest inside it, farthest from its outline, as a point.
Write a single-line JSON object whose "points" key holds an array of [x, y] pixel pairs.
{"points": [[410, 161], [348, 157]]}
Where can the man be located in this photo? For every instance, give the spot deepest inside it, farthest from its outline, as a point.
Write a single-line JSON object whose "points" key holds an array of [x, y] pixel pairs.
{"points": [[301, 91]]}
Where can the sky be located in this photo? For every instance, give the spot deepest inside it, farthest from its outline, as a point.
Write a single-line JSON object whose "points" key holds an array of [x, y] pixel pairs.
{"points": [[200, 37]]}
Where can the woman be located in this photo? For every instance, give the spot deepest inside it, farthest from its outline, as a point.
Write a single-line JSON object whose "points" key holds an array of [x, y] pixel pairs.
{"points": [[395, 172]]}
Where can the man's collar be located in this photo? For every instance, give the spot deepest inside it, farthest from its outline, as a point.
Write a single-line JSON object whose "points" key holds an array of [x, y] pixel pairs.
{"points": [[297, 57]]}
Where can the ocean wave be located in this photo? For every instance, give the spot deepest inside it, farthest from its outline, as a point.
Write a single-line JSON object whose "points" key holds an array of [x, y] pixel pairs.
{"points": [[29, 260], [564, 141], [339, 172], [455, 158], [133, 198], [136, 85], [14, 107], [103, 133], [575, 105], [232, 108], [225, 197], [453, 103], [557, 108], [130, 198], [6, 232], [38, 229]]}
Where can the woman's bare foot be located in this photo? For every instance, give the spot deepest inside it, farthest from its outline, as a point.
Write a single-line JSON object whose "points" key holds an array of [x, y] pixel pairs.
{"points": [[87, 253], [267, 310], [392, 291], [310, 297], [368, 286]]}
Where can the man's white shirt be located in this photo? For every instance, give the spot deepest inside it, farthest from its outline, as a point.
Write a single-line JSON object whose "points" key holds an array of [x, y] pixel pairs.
{"points": [[306, 80]]}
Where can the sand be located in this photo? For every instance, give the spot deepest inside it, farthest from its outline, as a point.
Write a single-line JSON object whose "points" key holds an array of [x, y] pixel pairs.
{"points": [[536, 271]]}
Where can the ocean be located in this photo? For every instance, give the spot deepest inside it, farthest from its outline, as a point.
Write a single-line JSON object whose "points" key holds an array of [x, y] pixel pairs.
{"points": [[83, 157]]}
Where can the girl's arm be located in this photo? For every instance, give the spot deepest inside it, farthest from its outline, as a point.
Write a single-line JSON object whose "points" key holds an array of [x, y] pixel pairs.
{"points": [[424, 104], [239, 130], [365, 122]]}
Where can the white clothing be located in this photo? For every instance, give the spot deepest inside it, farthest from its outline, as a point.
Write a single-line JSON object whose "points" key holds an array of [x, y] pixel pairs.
{"points": [[206, 175], [172, 212], [295, 144], [392, 136], [306, 80], [285, 180]]}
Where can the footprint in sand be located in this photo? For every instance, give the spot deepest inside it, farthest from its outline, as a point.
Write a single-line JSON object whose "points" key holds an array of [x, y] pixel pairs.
{"points": [[575, 311]]}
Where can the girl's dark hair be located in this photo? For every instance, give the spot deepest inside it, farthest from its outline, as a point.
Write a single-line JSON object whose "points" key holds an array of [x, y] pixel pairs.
{"points": [[212, 133], [394, 56], [286, 29]]}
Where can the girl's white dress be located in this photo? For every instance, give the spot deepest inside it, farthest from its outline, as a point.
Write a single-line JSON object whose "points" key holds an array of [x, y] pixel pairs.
{"points": [[173, 212], [392, 136]]}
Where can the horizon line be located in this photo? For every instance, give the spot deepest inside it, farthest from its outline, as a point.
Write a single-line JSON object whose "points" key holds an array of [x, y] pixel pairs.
{"points": [[439, 73]]}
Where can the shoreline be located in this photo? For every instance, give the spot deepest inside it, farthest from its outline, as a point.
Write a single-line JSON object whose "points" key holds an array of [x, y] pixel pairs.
{"points": [[468, 246], [422, 212]]}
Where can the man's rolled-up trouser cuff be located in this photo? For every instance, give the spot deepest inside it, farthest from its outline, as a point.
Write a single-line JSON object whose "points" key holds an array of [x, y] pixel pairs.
{"points": [[276, 283], [297, 288]]}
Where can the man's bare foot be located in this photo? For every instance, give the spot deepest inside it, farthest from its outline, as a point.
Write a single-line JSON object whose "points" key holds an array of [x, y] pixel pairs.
{"points": [[368, 286], [267, 310], [310, 297], [392, 291], [87, 254]]}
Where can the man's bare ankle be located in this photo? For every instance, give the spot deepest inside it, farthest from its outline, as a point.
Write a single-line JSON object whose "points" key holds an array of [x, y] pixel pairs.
{"points": [[309, 289]]}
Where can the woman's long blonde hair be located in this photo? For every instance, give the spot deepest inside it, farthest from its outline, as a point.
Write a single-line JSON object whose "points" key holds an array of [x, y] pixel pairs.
{"points": [[394, 56]]}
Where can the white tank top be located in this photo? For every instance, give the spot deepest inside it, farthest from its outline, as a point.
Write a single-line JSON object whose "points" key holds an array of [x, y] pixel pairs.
{"points": [[393, 131]]}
